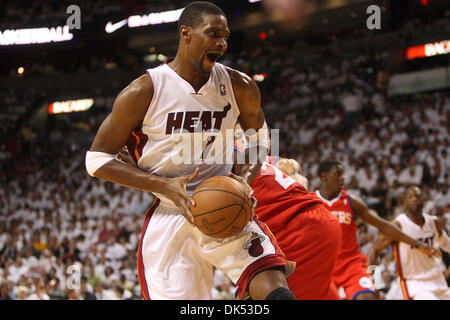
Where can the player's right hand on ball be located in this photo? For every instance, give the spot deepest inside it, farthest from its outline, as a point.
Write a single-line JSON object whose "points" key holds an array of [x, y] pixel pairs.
{"points": [[176, 191], [248, 190]]}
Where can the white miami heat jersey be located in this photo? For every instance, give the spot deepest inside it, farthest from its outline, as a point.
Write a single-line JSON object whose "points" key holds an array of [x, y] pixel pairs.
{"points": [[411, 263], [185, 129]]}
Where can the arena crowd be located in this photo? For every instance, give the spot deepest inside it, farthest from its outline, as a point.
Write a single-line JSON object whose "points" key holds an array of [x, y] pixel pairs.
{"points": [[65, 235]]}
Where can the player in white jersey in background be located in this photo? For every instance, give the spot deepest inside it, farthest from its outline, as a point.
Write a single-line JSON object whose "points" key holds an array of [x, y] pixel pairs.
{"points": [[420, 275], [189, 95]]}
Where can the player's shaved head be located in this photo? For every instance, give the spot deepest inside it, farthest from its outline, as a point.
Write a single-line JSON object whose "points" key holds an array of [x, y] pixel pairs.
{"points": [[410, 189], [326, 166], [193, 13]]}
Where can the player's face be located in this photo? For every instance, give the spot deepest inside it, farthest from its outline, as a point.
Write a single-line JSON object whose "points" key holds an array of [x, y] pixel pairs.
{"points": [[414, 200], [208, 42], [335, 178]]}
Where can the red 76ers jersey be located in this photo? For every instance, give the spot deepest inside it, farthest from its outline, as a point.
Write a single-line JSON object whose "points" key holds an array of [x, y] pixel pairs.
{"points": [[341, 207], [279, 197]]}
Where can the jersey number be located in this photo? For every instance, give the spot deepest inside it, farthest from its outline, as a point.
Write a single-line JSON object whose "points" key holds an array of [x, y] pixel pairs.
{"points": [[208, 146], [282, 178]]}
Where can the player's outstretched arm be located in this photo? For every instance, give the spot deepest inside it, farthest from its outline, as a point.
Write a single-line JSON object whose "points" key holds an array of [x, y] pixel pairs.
{"points": [[128, 111], [390, 229]]}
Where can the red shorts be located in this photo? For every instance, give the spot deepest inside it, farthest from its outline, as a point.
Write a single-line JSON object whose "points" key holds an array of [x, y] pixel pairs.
{"points": [[312, 239], [352, 276]]}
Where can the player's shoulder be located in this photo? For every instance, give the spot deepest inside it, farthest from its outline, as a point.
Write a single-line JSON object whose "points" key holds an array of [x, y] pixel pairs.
{"points": [[240, 80], [140, 88], [345, 194], [402, 217], [357, 204], [235, 74], [430, 218], [141, 84], [136, 96], [246, 91], [353, 197]]}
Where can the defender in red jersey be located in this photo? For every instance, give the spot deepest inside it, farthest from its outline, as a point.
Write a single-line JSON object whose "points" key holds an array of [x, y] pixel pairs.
{"points": [[306, 231], [351, 266]]}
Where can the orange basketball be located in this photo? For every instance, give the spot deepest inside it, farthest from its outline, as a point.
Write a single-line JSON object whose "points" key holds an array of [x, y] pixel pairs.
{"points": [[222, 208]]}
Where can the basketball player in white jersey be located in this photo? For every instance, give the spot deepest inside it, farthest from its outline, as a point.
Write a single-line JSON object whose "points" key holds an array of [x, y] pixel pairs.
{"points": [[189, 94], [421, 275]]}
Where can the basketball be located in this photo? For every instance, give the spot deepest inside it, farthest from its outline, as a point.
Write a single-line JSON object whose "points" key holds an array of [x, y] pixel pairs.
{"points": [[222, 209]]}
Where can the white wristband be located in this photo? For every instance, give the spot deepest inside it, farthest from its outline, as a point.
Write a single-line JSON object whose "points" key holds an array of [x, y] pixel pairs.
{"points": [[95, 160]]}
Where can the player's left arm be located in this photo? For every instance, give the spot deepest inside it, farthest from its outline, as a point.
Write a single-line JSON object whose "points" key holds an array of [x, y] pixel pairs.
{"points": [[443, 239], [248, 99], [386, 227]]}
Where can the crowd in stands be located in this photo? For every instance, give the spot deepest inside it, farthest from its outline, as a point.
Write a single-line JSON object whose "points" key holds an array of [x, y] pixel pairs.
{"points": [[55, 217], [15, 105], [65, 235], [384, 143]]}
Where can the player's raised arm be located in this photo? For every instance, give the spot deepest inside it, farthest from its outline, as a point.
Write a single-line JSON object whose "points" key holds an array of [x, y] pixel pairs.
{"points": [[389, 229], [128, 111]]}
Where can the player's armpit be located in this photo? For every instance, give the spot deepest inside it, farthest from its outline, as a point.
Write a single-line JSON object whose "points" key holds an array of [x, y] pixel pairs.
{"points": [[124, 155]]}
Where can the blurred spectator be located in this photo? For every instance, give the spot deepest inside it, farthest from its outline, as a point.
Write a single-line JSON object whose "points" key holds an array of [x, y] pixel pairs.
{"points": [[22, 293], [39, 293]]}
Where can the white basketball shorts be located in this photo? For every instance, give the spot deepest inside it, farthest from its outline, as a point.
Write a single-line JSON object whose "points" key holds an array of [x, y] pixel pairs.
{"points": [[175, 259]]}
